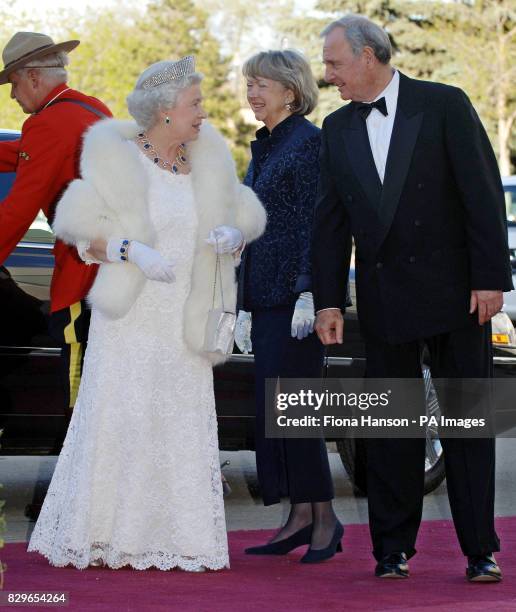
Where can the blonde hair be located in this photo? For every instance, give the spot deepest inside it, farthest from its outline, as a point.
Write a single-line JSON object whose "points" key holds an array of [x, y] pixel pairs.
{"points": [[292, 70]]}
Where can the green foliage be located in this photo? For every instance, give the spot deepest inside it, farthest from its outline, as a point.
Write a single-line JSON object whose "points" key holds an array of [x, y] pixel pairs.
{"points": [[116, 46], [467, 43]]}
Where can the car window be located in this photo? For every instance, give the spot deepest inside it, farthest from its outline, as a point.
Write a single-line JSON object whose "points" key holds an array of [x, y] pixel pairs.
{"points": [[510, 201], [6, 180], [39, 231]]}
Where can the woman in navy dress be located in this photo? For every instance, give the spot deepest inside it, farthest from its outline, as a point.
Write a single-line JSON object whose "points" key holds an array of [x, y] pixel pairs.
{"points": [[277, 316]]}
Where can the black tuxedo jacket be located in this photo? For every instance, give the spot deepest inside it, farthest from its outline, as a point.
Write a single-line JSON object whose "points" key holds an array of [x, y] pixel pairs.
{"points": [[434, 231]]}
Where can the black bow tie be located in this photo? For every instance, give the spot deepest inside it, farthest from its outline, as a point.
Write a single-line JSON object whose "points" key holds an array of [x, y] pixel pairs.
{"points": [[364, 108]]}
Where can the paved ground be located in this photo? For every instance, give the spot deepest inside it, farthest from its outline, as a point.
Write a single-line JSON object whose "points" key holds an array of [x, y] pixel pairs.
{"points": [[20, 475]]}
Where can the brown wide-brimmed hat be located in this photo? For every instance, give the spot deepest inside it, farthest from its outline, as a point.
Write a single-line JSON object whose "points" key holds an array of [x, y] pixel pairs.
{"points": [[25, 47]]}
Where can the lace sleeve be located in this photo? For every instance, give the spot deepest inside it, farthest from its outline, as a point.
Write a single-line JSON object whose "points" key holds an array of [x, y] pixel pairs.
{"points": [[82, 247]]}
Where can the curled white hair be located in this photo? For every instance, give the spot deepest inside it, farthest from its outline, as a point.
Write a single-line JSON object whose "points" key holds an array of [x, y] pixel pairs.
{"points": [[360, 32], [144, 104], [51, 67]]}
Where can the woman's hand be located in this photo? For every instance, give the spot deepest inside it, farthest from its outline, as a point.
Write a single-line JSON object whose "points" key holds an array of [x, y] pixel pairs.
{"points": [[304, 316], [150, 262], [225, 239]]}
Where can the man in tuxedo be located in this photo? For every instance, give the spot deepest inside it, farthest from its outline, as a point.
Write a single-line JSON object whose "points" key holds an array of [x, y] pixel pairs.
{"points": [[407, 171]]}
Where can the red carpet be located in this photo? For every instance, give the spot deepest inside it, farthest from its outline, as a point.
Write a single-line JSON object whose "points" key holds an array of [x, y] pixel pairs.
{"points": [[281, 583]]}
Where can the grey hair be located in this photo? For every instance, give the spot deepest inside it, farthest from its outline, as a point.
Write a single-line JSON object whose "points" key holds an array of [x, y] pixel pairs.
{"points": [[54, 67], [360, 32], [144, 104], [292, 70]]}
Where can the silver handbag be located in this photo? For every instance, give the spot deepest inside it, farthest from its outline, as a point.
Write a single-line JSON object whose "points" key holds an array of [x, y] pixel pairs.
{"points": [[219, 333]]}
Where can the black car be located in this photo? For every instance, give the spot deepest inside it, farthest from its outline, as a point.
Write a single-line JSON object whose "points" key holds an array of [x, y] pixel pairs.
{"points": [[31, 410]]}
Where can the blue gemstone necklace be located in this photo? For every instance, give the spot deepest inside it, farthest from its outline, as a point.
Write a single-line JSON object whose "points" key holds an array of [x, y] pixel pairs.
{"points": [[152, 154]]}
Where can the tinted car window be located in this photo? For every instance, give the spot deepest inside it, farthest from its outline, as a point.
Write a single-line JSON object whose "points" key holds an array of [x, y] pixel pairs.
{"points": [[39, 230], [510, 201], [31, 263], [7, 178]]}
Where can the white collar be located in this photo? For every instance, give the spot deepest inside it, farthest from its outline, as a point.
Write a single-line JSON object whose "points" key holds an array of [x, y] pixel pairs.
{"points": [[390, 93]]}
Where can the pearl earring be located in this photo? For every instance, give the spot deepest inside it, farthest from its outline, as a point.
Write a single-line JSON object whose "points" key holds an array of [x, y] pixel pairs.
{"points": [[288, 106], [167, 120]]}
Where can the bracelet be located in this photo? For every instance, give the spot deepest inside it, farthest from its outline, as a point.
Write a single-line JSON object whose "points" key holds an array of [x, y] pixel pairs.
{"points": [[124, 250]]}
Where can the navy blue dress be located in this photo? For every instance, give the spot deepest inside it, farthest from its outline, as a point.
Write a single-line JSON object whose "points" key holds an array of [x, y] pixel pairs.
{"points": [[275, 269]]}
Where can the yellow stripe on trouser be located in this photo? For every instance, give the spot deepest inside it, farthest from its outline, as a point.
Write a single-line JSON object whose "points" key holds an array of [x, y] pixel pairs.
{"points": [[70, 337]]}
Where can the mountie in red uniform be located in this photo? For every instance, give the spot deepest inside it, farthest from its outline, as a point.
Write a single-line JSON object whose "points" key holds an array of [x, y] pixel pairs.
{"points": [[45, 160]]}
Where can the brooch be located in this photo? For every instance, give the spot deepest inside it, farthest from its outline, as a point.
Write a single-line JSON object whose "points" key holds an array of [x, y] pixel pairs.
{"points": [[24, 155]]}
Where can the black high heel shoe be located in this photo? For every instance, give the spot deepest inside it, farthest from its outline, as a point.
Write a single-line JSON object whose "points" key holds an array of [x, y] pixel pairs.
{"points": [[299, 538], [316, 556]]}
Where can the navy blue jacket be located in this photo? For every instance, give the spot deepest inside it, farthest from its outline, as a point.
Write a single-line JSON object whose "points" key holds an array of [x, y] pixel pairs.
{"points": [[283, 172]]}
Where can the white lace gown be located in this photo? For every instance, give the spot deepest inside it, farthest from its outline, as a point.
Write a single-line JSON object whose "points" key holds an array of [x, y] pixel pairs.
{"points": [[138, 480]]}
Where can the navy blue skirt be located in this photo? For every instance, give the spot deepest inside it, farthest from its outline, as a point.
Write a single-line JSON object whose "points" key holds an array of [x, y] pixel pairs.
{"points": [[294, 468]]}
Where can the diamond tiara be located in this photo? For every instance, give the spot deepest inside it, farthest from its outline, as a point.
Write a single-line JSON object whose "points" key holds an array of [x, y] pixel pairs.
{"points": [[177, 70]]}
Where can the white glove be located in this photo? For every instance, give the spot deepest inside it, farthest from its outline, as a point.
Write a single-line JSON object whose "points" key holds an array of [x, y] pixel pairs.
{"points": [[225, 239], [304, 316], [150, 262], [243, 332]]}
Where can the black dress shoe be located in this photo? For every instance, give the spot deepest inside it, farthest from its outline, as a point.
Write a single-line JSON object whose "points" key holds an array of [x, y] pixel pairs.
{"points": [[318, 555], [32, 511], [393, 566], [483, 569], [282, 547]]}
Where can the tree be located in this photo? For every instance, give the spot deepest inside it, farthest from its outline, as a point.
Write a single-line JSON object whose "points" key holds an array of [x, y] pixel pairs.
{"points": [[241, 31], [481, 58], [467, 43], [184, 27], [11, 21], [117, 45]]}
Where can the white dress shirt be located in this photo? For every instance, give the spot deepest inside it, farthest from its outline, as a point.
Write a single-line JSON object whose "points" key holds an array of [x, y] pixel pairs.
{"points": [[379, 127]]}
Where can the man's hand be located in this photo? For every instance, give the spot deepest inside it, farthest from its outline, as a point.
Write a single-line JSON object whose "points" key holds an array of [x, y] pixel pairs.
{"points": [[487, 303], [329, 325]]}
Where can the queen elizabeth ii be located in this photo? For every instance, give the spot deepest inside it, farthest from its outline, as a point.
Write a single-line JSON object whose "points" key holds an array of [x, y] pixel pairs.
{"points": [[159, 207]]}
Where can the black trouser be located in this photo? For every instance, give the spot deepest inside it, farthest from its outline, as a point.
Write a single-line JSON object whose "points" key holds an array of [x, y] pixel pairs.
{"points": [[69, 327], [295, 468], [395, 467]]}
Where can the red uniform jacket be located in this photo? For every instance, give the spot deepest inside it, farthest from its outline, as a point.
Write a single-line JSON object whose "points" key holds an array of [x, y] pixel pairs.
{"points": [[45, 160]]}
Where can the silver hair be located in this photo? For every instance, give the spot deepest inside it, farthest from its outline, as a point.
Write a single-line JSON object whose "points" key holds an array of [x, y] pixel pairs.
{"points": [[292, 70], [360, 32], [144, 104], [53, 64]]}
